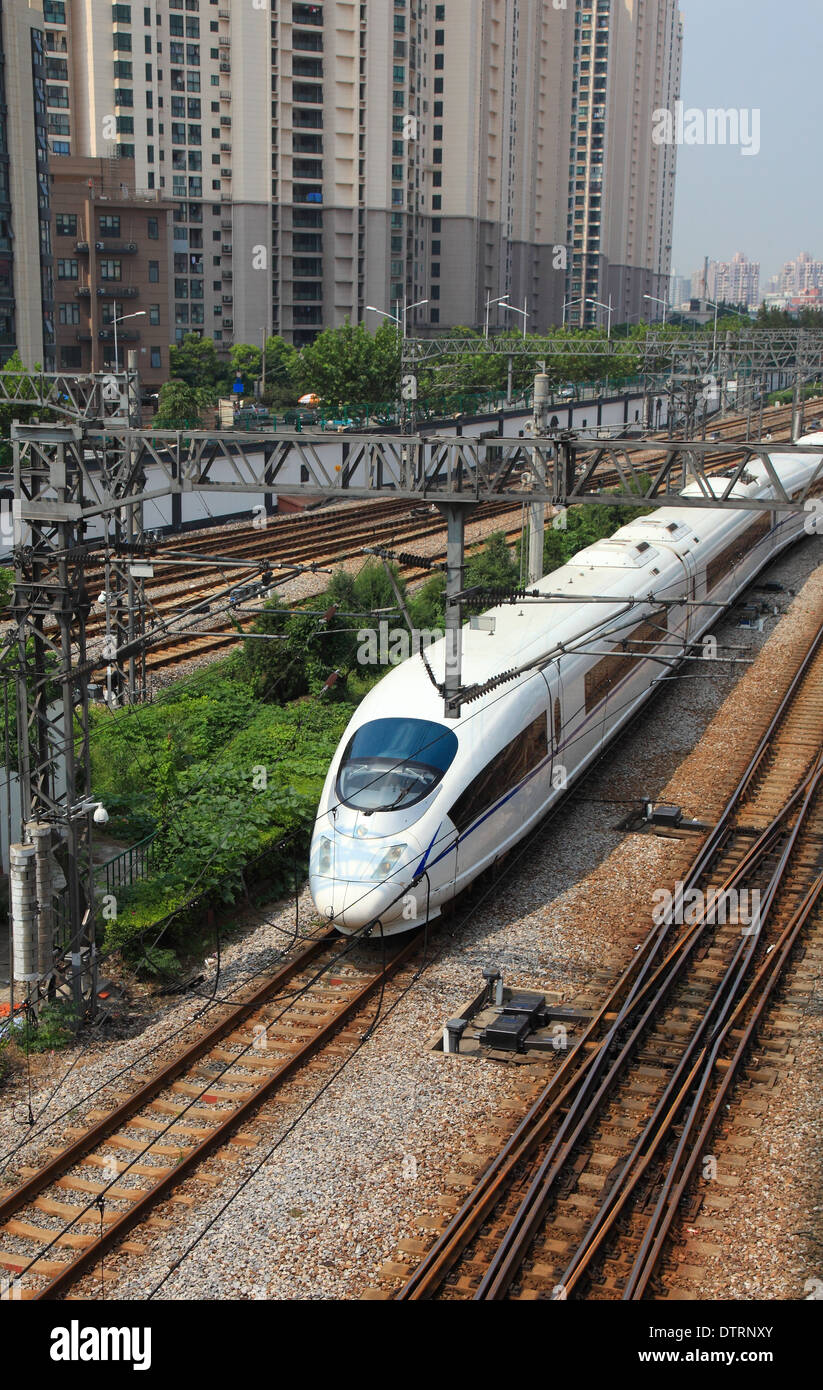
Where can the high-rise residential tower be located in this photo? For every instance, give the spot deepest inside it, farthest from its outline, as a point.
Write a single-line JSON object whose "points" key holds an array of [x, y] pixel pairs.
{"points": [[323, 158], [26, 287]]}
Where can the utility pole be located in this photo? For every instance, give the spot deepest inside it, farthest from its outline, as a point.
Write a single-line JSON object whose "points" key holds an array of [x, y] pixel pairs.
{"points": [[455, 514], [537, 510]]}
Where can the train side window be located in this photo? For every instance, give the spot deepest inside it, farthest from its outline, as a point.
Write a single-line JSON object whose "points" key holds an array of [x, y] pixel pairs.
{"points": [[557, 723], [732, 554], [614, 668], [504, 771]]}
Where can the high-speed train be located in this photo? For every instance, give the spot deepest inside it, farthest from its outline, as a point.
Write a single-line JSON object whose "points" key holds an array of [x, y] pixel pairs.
{"points": [[415, 806]]}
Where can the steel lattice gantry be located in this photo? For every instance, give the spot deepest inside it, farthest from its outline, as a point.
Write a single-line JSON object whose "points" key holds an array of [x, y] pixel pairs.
{"points": [[559, 468], [56, 480]]}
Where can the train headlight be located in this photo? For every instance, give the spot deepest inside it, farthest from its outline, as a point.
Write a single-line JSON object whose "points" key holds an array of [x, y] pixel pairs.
{"points": [[387, 862], [324, 855]]}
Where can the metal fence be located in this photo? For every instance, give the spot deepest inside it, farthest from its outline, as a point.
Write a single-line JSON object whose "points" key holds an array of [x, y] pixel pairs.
{"points": [[130, 865]]}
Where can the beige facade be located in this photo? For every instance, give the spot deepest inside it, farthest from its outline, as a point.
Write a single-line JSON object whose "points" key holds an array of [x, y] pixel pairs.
{"points": [[26, 298], [324, 157]]}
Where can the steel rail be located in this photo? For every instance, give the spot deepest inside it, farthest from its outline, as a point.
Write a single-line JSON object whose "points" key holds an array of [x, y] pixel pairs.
{"points": [[59, 1283], [21, 1195], [432, 1270], [659, 1125], [765, 982]]}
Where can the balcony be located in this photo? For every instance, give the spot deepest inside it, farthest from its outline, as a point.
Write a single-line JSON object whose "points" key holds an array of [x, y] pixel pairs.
{"points": [[117, 292], [129, 335], [228, 299], [226, 248], [118, 248]]}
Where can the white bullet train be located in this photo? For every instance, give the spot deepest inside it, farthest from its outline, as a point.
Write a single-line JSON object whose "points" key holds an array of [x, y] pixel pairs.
{"points": [[415, 806]]}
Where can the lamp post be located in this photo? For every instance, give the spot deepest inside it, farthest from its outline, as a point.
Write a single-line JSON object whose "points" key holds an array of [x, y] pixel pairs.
{"points": [[141, 314], [716, 308], [569, 304], [515, 310], [658, 301], [489, 303], [400, 319], [607, 307]]}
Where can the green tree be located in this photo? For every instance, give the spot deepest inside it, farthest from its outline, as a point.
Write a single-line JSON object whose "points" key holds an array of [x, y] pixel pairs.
{"points": [[282, 365], [351, 365], [246, 359], [181, 407], [195, 361], [11, 411]]}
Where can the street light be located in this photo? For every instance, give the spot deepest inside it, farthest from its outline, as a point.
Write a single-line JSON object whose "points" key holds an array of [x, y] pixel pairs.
{"points": [[522, 311], [489, 303], [141, 314], [569, 304], [604, 306], [399, 320], [716, 308], [658, 301]]}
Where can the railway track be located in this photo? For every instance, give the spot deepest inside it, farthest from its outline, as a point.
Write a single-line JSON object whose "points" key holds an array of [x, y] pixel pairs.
{"points": [[178, 649], [325, 537], [62, 1219], [585, 1196]]}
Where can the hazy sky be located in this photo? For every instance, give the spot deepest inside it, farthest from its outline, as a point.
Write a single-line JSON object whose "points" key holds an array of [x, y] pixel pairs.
{"points": [[750, 54]]}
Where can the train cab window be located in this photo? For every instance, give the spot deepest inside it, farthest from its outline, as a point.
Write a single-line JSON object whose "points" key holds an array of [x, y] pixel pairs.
{"points": [[392, 763], [504, 771]]}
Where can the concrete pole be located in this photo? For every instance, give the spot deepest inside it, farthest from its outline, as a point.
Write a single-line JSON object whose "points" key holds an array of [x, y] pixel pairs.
{"points": [[40, 836], [455, 521], [23, 910], [537, 510], [797, 407]]}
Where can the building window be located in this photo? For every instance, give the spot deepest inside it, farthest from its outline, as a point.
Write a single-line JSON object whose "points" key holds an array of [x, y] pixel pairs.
{"points": [[109, 225], [68, 313], [67, 270], [153, 229], [66, 224], [154, 315], [156, 357], [111, 270], [154, 272], [70, 357]]}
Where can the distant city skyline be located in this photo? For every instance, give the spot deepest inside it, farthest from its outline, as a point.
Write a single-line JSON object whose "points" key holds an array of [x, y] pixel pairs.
{"points": [[768, 205]]}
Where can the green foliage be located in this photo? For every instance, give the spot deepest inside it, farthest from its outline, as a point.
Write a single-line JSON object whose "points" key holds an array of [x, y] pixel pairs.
{"points": [[159, 963], [195, 361], [182, 406], [224, 779], [351, 364], [11, 411], [56, 1027], [6, 584], [282, 362]]}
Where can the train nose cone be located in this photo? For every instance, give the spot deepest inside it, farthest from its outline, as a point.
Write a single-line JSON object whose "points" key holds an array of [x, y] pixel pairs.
{"points": [[355, 905]]}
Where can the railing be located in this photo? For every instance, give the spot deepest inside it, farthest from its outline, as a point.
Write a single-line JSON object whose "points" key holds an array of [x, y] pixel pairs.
{"points": [[130, 866]]}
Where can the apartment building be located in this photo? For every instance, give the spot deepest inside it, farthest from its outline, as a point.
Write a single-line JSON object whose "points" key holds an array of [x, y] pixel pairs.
{"points": [[26, 290], [626, 65], [111, 251], [800, 276], [323, 158]]}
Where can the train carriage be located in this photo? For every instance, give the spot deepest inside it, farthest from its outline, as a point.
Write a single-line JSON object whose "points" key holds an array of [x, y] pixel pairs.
{"points": [[415, 806]]}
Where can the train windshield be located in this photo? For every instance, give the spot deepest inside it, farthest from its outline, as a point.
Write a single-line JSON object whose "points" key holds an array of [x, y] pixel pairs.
{"points": [[392, 763]]}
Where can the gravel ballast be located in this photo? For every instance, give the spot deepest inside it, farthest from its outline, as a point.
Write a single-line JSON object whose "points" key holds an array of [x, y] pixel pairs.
{"points": [[349, 1182]]}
